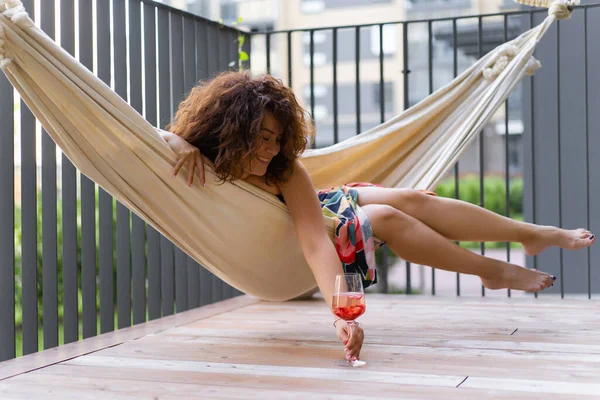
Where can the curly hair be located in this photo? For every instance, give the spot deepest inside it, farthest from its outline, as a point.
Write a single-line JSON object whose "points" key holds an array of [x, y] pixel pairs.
{"points": [[223, 116]]}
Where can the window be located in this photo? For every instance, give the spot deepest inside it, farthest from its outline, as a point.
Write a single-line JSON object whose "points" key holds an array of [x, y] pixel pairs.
{"points": [[229, 12], [369, 98], [316, 6], [199, 7], [419, 5], [389, 38], [346, 50]]}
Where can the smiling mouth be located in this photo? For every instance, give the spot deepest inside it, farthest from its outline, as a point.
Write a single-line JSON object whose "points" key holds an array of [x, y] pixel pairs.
{"points": [[265, 161]]}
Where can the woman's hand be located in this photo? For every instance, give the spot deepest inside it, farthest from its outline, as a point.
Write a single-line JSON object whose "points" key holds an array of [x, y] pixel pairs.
{"points": [[352, 336], [188, 154]]}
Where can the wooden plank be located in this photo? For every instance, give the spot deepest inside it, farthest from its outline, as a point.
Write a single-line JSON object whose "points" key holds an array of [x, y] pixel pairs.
{"points": [[366, 375], [56, 355], [534, 386], [290, 347], [420, 360], [108, 382]]}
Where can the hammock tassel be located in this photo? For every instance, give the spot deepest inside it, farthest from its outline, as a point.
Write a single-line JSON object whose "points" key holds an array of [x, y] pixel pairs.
{"points": [[4, 59], [559, 9]]}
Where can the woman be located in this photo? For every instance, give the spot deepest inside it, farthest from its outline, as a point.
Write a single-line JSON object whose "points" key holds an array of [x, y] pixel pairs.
{"points": [[254, 129]]}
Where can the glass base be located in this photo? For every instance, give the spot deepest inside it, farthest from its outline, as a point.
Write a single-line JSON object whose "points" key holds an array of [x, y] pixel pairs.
{"points": [[351, 364]]}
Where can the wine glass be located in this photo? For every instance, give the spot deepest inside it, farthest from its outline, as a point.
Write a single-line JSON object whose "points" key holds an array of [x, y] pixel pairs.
{"points": [[348, 304]]}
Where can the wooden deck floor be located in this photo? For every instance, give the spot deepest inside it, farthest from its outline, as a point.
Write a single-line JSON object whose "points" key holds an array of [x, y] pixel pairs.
{"points": [[416, 347]]}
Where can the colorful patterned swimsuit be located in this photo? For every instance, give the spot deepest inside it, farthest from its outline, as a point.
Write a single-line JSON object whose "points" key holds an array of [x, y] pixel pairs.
{"points": [[354, 240]]}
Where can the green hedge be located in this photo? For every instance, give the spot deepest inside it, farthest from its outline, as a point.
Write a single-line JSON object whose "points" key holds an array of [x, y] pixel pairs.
{"points": [[18, 258], [494, 191]]}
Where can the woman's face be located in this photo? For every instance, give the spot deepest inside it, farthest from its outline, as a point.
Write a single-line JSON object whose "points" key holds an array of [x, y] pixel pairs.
{"points": [[269, 139]]}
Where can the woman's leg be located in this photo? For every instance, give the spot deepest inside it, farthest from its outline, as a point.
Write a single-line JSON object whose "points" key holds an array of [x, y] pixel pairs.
{"points": [[416, 242], [462, 221]]}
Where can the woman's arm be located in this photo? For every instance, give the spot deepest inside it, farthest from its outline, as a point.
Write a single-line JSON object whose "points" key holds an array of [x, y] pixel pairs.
{"points": [[303, 203], [186, 154]]}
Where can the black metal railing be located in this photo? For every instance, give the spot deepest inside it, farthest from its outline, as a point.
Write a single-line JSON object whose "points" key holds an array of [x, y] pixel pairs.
{"points": [[74, 262], [467, 38], [97, 262]]}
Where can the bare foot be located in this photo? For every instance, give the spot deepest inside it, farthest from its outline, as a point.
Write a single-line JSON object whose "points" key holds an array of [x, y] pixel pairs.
{"points": [[551, 236], [518, 278]]}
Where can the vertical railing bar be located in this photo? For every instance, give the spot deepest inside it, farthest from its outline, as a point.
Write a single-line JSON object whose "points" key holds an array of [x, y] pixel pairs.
{"points": [[532, 101], [405, 72], [289, 58], [357, 71], [7, 222], [164, 66], [216, 293], [223, 37], [105, 201], [506, 155], [189, 73], [268, 51], [381, 78], [88, 193], [430, 68], [69, 204], [312, 79], [202, 71], [456, 166], [587, 147], [558, 109], [335, 87], [29, 224], [481, 141], [177, 91], [138, 226], [153, 237], [181, 295], [123, 237], [384, 249], [49, 213]]}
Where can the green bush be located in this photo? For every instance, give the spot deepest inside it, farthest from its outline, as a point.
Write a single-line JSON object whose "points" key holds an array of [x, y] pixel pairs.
{"points": [[59, 267], [494, 193]]}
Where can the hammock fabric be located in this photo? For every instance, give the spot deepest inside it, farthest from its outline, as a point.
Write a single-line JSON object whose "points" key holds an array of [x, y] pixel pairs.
{"points": [[240, 233]]}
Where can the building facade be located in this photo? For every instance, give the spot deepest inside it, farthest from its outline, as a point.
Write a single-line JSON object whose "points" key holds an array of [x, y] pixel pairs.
{"points": [[339, 121]]}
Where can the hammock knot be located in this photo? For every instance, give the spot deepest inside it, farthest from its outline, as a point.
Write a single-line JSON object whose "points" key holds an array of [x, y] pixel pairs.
{"points": [[4, 61], [15, 10], [562, 9], [500, 61], [532, 66]]}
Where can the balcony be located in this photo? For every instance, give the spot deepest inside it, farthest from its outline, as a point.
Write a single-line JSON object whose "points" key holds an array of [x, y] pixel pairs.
{"points": [[96, 304]]}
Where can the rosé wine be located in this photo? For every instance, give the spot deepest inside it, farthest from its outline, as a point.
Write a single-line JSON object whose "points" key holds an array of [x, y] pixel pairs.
{"points": [[349, 306]]}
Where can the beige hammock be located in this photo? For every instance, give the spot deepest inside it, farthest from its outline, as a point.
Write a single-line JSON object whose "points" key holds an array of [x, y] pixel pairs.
{"points": [[238, 232]]}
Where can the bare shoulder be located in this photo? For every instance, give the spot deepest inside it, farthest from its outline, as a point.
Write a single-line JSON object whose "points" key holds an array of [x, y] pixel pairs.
{"points": [[299, 187]]}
